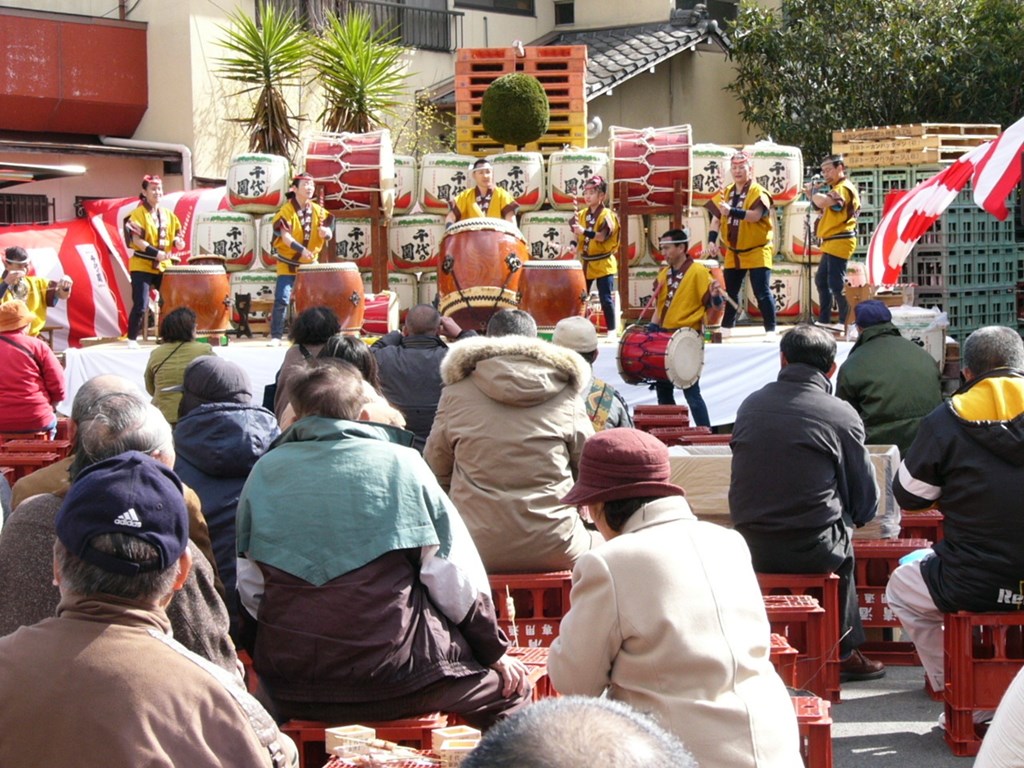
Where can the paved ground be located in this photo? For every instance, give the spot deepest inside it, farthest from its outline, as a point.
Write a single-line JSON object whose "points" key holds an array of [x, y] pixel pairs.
{"points": [[890, 723]]}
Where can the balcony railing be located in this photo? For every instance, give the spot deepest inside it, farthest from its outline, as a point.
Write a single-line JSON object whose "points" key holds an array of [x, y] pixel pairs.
{"points": [[412, 23]]}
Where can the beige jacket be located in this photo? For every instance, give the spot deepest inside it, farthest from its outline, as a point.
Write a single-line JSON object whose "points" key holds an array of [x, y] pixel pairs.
{"points": [[506, 444], [668, 617]]}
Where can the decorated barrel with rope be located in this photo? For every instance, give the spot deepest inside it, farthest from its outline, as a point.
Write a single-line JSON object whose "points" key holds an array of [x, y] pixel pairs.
{"points": [[205, 289], [697, 223], [405, 184], [478, 275], [568, 170], [779, 169], [337, 286], [521, 174], [257, 183], [350, 168], [652, 161], [224, 237], [442, 177], [414, 242], [710, 171], [794, 246]]}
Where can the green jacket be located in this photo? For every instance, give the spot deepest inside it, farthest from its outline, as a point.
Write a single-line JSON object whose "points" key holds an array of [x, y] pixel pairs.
{"points": [[892, 383]]}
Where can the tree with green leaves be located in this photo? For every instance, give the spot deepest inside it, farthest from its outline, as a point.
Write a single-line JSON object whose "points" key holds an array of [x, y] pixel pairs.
{"points": [[266, 59], [361, 72], [814, 66], [515, 109]]}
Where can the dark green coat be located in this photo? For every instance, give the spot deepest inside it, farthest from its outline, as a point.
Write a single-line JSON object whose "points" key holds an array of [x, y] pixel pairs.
{"points": [[892, 383]]}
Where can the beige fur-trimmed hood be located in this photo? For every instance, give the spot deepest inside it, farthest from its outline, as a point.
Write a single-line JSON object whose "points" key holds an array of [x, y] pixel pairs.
{"points": [[515, 369]]}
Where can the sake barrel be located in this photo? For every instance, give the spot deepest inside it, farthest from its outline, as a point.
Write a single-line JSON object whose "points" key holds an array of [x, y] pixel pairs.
{"points": [[414, 242], [426, 288], [779, 169], [224, 235], [404, 286], [788, 286], [710, 171], [442, 177], [548, 235], [257, 183], [265, 238], [521, 174], [697, 222], [641, 281], [354, 240], [794, 231], [568, 170], [922, 327], [405, 184]]}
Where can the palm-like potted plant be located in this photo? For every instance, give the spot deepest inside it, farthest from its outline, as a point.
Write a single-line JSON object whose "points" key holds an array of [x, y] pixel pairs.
{"points": [[360, 71], [266, 59]]}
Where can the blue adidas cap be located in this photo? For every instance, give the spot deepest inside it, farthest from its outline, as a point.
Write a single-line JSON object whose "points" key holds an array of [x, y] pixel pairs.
{"points": [[133, 494]]}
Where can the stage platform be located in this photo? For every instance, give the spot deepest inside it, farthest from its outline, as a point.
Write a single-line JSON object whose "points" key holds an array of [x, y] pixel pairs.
{"points": [[732, 370]]}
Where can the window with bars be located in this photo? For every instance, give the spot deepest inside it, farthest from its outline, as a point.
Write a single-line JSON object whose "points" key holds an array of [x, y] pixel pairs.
{"points": [[25, 209]]}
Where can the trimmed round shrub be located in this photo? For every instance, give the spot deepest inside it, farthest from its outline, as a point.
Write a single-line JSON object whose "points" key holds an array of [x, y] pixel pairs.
{"points": [[515, 109]]}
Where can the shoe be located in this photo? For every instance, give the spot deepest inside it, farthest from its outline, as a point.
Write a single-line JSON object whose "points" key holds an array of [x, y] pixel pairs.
{"points": [[859, 667], [979, 716], [274, 343], [131, 344], [771, 336], [726, 333]]}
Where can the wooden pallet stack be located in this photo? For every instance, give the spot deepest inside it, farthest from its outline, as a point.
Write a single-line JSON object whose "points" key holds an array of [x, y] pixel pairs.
{"points": [[561, 69], [918, 144]]}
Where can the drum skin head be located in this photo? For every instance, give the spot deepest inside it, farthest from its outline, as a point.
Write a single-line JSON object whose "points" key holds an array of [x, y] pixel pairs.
{"points": [[685, 357]]}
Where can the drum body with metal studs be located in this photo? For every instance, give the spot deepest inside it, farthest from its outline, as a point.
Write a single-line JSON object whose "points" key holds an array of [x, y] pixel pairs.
{"points": [[336, 286]]}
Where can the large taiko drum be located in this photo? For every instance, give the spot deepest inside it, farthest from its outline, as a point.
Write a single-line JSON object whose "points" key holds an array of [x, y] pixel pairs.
{"points": [[337, 286], [350, 167], [649, 356], [203, 289], [713, 315], [478, 274], [652, 161], [551, 291]]}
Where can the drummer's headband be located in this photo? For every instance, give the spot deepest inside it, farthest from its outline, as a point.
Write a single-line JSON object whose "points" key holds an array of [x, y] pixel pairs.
{"points": [[301, 177], [741, 157], [480, 165], [148, 179]]}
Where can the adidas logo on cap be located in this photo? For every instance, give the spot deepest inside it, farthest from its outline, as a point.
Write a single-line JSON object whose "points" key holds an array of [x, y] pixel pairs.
{"points": [[129, 519]]}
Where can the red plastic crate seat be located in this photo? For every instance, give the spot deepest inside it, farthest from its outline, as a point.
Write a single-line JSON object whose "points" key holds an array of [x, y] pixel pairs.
{"points": [[536, 660], [921, 525], [784, 657], [38, 436], [661, 410], [801, 620], [706, 440], [60, 447], [26, 463], [540, 600], [982, 654], [308, 735], [875, 561], [815, 725], [824, 588]]}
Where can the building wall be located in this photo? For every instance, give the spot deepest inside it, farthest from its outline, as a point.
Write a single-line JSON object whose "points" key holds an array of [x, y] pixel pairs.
{"points": [[594, 14]]}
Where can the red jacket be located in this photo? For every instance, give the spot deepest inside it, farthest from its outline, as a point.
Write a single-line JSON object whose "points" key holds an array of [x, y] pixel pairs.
{"points": [[33, 383]]}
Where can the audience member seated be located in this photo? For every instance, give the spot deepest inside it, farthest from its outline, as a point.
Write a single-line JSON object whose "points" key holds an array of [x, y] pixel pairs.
{"points": [[370, 598], [217, 440], [33, 378], [410, 366], [1003, 745], [579, 732], [667, 615], [605, 406], [166, 366], [308, 334], [115, 422], [968, 460], [797, 514], [103, 683], [506, 443]]}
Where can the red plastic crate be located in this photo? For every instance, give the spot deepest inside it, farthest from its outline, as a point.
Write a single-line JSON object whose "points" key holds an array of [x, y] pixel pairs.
{"points": [[536, 660], [8, 472], [824, 588], [60, 447], [982, 654], [675, 420], [308, 735], [815, 725], [875, 561], [801, 620], [26, 463], [784, 657], [541, 600], [921, 525]]}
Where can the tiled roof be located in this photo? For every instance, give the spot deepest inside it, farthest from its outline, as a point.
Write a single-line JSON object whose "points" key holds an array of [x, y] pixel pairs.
{"points": [[617, 54]]}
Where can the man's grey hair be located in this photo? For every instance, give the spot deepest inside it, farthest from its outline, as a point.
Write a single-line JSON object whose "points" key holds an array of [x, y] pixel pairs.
{"points": [[119, 422], [512, 322], [571, 731], [82, 578], [993, 347]]}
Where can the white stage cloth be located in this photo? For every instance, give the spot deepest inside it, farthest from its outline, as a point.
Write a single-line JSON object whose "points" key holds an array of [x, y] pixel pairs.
{"points": [[731, 370]]}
